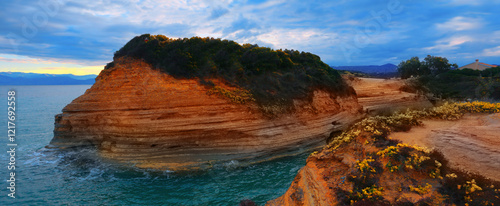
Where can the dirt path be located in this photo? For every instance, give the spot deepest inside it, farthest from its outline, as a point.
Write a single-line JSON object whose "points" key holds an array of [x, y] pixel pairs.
{"points": [[471, 143], [381, 96]]}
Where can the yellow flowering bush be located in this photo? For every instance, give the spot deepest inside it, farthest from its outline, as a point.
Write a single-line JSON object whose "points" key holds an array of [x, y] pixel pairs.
{"points": [[471, 187], [369, 193], [393, 150], [415, 161], [237, 95], [404, 156], [364, 166], [345, 137], [436, 173], [391, 167], [421, 189], [479, 107], [448, 111]]}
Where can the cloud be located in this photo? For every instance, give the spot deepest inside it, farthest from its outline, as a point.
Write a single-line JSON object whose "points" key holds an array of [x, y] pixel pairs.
{"points": [[473, 3], [449, 43], [492, 52], [465, 2], [297, 38], [23, 60], [460, 23]]}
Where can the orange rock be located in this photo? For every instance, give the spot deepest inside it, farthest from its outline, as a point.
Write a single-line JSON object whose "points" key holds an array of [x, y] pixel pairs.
{"points": [[137, 114]]}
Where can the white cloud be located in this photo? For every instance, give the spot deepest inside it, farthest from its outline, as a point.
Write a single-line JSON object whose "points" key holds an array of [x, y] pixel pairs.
{"points": [[450, 43], [299, 39], [460, 23], [492, 52], [473, 3], [22, 59], [465, 2]]}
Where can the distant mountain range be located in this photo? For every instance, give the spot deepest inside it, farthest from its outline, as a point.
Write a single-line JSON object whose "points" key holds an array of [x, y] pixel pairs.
{"points": [[370, 69], [21, 78]]}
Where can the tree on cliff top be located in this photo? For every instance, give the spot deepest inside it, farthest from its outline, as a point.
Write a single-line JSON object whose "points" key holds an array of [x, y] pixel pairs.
{"points": [[273, 77]]}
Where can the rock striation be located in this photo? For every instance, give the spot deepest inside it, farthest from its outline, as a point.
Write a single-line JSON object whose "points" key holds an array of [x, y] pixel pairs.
{"points": [[136, 114], [471, 143]]}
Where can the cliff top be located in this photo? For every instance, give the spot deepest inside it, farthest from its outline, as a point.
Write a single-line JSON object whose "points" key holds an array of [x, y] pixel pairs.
{"points": [[270, 77]]}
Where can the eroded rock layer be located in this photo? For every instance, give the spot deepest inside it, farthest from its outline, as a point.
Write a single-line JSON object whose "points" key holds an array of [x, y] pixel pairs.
{"points": [[140, 115]]}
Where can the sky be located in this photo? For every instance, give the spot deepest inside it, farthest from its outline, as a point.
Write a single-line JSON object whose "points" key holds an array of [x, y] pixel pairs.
{"points": [[80, 37]]}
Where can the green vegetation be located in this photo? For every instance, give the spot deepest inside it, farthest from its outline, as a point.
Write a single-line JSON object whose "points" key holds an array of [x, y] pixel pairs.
{"points": [[431, 65], [351, 74], [435, 76], [421, 189], [273, 77], [461, 84], [371, 193], [236, 96]]}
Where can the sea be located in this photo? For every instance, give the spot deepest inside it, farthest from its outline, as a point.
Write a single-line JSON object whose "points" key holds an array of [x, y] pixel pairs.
{"points": [[78, 177]]}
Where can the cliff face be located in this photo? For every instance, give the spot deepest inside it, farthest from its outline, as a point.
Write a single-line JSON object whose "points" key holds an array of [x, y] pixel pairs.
{"points": [[308, 188], [140, 115]]}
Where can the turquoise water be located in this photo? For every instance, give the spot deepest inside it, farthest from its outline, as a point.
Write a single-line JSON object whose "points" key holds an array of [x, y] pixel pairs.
{"points": [[52, 177]]}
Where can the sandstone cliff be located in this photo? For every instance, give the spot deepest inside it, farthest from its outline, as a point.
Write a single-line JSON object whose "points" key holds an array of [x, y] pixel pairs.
{"points": [[140, 115]]}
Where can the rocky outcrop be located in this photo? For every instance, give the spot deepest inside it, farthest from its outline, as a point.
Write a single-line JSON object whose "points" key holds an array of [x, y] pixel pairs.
{"points": [[139, 115], [369, 169], [308, 188], [329, 178]]}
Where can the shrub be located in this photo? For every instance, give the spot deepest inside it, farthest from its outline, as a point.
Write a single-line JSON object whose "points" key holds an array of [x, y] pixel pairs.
{"points": [[236, 95], [460, 84]]}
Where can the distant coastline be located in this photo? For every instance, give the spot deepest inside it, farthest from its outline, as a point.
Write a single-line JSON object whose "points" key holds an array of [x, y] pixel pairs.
{"points": [[21, 78]]}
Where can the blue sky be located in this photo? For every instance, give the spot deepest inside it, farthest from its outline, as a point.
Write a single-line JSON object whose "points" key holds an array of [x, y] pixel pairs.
{"points": [[79, 37]]}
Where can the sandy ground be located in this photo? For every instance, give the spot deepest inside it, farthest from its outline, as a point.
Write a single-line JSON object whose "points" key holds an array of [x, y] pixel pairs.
{"points": [[379, 96], [471, 143]]}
